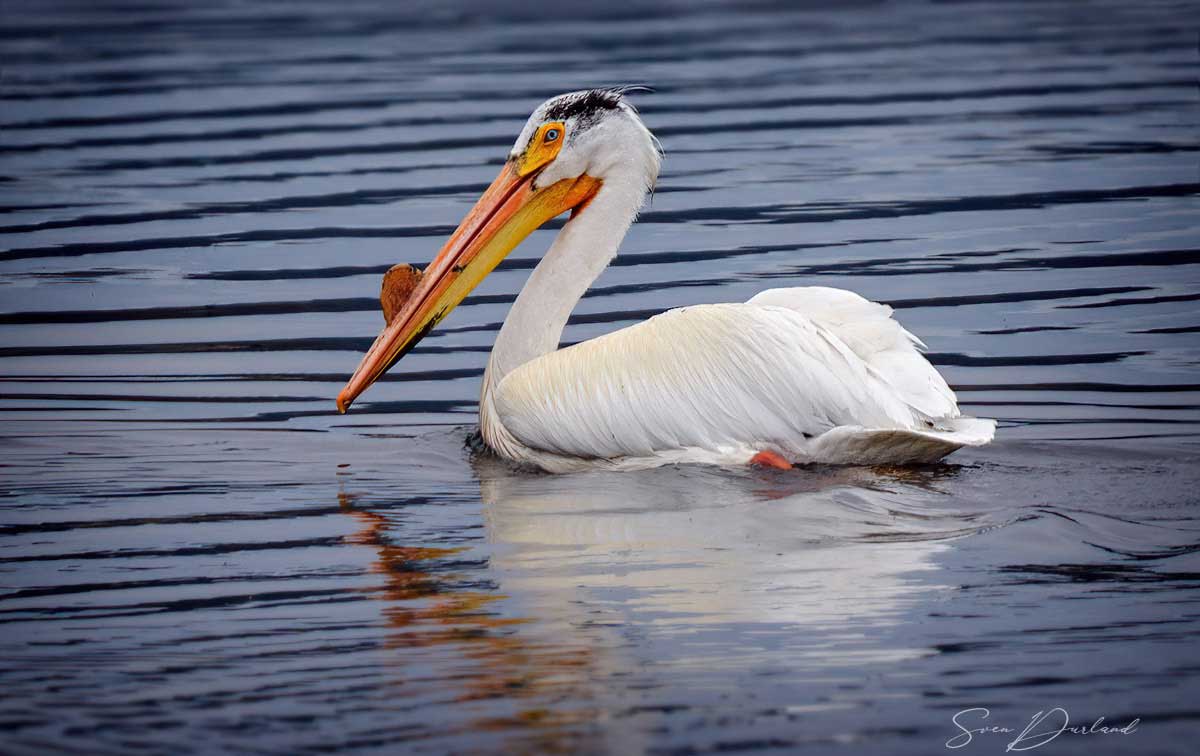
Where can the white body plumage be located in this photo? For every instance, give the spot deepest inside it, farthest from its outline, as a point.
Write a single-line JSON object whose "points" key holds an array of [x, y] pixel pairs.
{"points": [[720, 383]]}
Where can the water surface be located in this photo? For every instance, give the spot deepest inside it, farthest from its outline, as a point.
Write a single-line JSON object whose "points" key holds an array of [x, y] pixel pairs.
{"points": [[199, 556]]}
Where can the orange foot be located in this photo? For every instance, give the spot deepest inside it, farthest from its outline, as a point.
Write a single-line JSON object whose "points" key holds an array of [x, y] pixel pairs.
{"points": [[770, 459]]}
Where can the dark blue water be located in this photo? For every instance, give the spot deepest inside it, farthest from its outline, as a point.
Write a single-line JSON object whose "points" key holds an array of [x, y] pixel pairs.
{"points": [[197, 555]]}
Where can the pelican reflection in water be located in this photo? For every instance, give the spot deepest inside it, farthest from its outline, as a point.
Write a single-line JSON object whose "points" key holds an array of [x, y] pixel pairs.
{"points": [[687, 547], [798, 573], [793, 375]]}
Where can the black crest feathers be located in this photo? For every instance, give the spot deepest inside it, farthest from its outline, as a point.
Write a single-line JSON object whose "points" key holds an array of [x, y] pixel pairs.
{"points": [[583, 104]]}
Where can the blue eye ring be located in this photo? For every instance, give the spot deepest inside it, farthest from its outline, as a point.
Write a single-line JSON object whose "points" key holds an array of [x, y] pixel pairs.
{"points": [[551, 135]]}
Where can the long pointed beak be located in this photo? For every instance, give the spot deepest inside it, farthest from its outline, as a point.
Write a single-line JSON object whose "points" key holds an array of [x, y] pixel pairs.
{"points": [[507, 212]]}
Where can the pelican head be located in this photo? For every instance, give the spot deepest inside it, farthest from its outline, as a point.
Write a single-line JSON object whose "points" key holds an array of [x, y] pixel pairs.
{"points": [[572, 148]]}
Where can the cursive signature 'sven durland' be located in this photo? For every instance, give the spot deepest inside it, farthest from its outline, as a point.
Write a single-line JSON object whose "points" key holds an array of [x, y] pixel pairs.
{"points": [[1043, 727]]}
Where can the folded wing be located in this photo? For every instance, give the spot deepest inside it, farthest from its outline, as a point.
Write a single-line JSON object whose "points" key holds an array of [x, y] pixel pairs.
{"points": [[867, 327]]}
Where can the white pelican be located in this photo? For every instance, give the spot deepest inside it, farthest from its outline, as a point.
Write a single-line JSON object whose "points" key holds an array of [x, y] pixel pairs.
{"points": [[792, 376]]}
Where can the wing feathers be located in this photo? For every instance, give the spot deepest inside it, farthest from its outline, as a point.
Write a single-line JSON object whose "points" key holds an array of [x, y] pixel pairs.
{"points": [[869, 330]]}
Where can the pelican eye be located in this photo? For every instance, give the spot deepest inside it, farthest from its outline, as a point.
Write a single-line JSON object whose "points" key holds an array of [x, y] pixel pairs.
{"points": [[551, 135]]}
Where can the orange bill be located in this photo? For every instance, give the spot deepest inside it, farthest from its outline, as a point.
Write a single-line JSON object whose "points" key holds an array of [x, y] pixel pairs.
{"points": [[508, 211]]}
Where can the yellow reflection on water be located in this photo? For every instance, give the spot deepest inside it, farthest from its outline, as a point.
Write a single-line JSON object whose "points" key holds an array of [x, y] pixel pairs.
{"points": [[426, 608]]}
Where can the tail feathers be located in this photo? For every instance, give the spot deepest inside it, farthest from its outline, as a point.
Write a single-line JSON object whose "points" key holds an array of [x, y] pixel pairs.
{"points": [[857, 445], [967, 431]]}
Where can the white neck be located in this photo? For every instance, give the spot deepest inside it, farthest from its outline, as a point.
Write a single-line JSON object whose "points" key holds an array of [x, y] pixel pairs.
{"points": [[580, 253], [623, 154]]}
